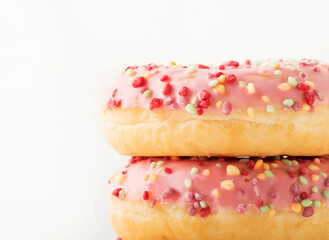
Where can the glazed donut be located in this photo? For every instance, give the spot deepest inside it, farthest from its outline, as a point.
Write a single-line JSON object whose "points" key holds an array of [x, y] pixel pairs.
{"points": [[227, 199], [276, 107]]}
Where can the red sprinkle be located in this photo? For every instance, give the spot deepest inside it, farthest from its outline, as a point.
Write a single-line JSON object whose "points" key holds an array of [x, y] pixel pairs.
{"points": [[231, 78], [200, 164], [201, 66], [205, 103], [302, 171], [248, 62], [164, 78], [308, 212], [167, 170], [233, 64], [204, 94], [251, 164], [244, 172], [303, 87], [116, 192], [219, 74], [199, 111], [138, 82], [304, 195], [109, 181], [260, 203], [183, 91], [146, 195], [309, 97], [114, 92], [156, 103], [204, 212], [222, 67], [124, 172], [291, 174], [167, 89]]}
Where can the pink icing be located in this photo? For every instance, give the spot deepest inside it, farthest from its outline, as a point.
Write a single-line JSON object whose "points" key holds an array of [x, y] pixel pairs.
{"points": [[262, 76], [248, 192]]}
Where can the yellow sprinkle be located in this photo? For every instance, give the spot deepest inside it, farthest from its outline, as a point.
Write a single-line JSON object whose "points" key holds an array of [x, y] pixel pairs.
{"points": [[121, 178], [261, 71], [175, 158], [227, 184], [261, 176], [276, 66], [172, 64], [206, 172], [250, 88], [215, 193], [317, 160], [265, 99], [222, 78], [315, 177], [274, 165], [147, 75], [313, 167], [309, 83], [220, 88], [153, 177], [271, 212], [306, 107], [232, 170], [284, 86], [146, 177], [258, 164], [296, 207], [160, 170], [251, 112], [219, 104], [323, 205], [266, 166]]}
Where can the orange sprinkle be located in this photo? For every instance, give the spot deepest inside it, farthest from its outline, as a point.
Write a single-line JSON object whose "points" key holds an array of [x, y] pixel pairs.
{"points": [[160, 170], [172, 64], [317, 160], [315, 177], [153, 177], [261, 176], [147, 75], [265, 99], [266, 166], [121, 179], [284, 86], [222, 78], [258, 164], [146, 177], [232, 170], [219, 104], [220, 88], [274, 165], [296, 207], [309, 83], [215, 193], [271, 212], [276, 66], [323, 205], [206, 172], [251, 112], [313, 167], [306, 107]]}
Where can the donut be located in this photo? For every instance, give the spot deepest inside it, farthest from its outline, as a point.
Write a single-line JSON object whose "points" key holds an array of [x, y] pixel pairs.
{"points": [[269, 108], [222, 198]]}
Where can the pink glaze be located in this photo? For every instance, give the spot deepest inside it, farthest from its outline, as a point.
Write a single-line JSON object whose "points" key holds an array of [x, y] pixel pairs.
{"points": [[247, 193], [263, 77]]}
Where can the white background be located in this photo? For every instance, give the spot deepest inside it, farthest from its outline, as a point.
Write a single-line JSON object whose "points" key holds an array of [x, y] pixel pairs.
{"points": [[57, 58]]}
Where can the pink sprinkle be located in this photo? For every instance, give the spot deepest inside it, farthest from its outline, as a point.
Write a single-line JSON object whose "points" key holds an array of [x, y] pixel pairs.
{"points": [[191, 210], [297, 198], [189, 197], [316, 69], [168, 101], [294, 188], [196, 205], [326, 182], [308, 212], [242, 208], [168, 193], [241, 192], [302, 75], [226, 107], [198, 197], [182, 101], [297, 106], [254, 181], [272, 193], [153, 203]]}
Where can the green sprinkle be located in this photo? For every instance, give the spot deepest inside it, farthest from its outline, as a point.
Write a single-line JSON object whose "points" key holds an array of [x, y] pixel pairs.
{"points": [[130, 72], [244, 160], [271, 205], [303, 180], [153, 164], [203, 204], [270, 108], [264, 208], [121, 192], [286, 161], [160, 163], [218, 165], [213, 83], [268, 173], [325, 193], [190, 108], [194, 100], [315, 189], [294, 162], [278, 72], [292, 81], [188, 183], [147, 93], [194, 170], [242, 84], [317, 204], [288, 102], [323, 174], [306, 202], [191, 69]]}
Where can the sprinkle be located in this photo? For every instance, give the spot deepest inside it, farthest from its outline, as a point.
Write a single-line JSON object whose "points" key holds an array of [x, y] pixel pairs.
{"points": [[265, 99], [232, 170], [292, 81], [204, 212], [160, 170], [258, 164], [271, 212], [194, 100], [194, 170], [167, 89], [146, 195], [218, 165], [213, 83], [276, 66], [244, 172], [278, 72], [167, 170], [121, 179], [121, 193], [191, 109], [116, 192], [315, 189], [325, 193], [242, 84], [147, 93], [315, 177], [323, 174], [227, 184], [203, 204], [304, 195], [251, 112], [146, 177], [188, 183], [168, 193], [153, 203], [309, 83], [219, 104], [261, 176], [222, 78], [220, 88], [308, 212], [191, 69], [268, 173], [171, 64], [153, 164], [226, 107], [306, 107], [233, 64], [317, 160], [284, 86], [206, 172], [183, 91], [215, 193], [296, 207], [294, 162], [306, 202], [147, 75], [164, 78], [286, 161], [303, 180], [138, 82], [153, 177], [191, 210], [251, 88], [271, 205], [313, 167], [288, 102], [130, 72], [231, 78], [264, 208], [323, 205], [270, 108]]}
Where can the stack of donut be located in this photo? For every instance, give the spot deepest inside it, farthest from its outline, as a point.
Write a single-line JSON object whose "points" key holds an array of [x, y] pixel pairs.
{"points": [[229, 152]]}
